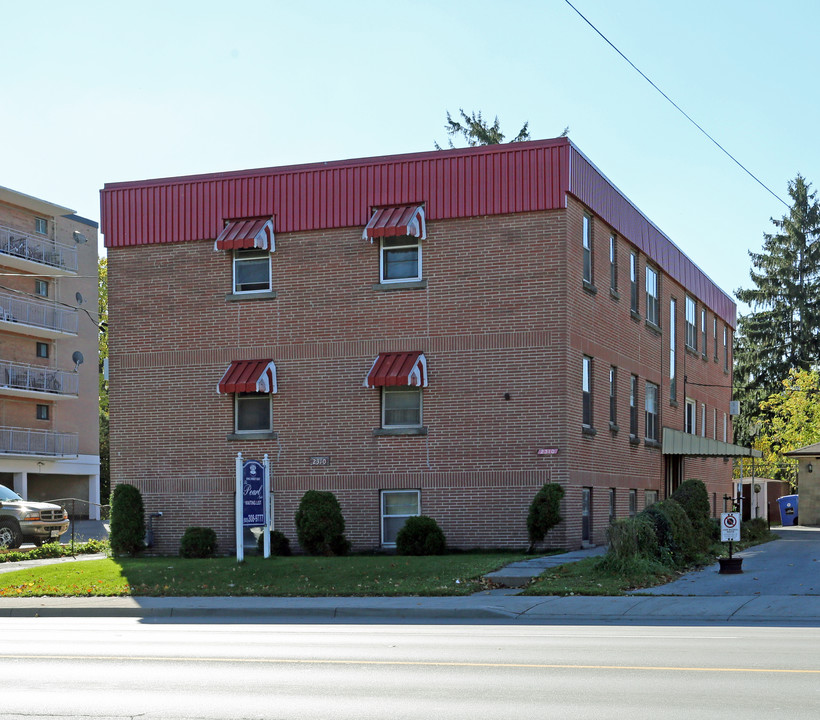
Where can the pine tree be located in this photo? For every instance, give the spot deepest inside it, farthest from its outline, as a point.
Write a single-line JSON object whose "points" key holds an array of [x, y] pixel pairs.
{"points": [[782, 331], [477, 131]]}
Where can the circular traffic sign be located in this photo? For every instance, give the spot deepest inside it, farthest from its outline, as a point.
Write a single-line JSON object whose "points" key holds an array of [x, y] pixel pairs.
{"points": [[730, 521]]}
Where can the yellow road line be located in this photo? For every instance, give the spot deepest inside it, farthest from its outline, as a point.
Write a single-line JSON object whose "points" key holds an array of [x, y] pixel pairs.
{"points": [[408, 663]]}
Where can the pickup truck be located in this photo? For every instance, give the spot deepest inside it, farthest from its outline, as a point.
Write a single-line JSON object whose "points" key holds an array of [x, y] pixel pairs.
{"points": [[27, 521]]}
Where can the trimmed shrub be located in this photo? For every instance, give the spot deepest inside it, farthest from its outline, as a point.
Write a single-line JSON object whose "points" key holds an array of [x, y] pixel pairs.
{"points": [[127, 528], [198, 542], [320, 526], [754, 530], [279, 543], [677, 542], [545, 512], [630, 538], [420, 535], [694, 498]]}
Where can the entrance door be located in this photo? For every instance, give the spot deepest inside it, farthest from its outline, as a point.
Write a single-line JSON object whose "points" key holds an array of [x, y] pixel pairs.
{"points": [[673, 473], [586, 515]]}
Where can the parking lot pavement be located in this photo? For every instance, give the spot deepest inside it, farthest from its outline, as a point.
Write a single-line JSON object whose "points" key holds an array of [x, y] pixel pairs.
{"points": [[784, 567]]}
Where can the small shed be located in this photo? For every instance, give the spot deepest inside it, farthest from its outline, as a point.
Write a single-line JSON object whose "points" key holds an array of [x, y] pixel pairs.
{"points": [[760, 497], [808, 483]]}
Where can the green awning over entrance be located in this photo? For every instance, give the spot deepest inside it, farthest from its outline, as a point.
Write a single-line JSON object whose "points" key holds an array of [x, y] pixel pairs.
{"points": [[676, 442]]}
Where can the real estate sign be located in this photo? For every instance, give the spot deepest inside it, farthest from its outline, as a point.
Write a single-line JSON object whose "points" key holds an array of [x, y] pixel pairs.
{"points": [[253, 501]]}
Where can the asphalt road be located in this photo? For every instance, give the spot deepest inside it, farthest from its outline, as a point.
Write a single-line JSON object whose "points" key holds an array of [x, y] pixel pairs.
{"points": [[118, 668]]}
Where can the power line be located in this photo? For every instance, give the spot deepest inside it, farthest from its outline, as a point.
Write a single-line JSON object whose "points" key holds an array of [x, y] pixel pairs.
{"points": [[679, 109]]}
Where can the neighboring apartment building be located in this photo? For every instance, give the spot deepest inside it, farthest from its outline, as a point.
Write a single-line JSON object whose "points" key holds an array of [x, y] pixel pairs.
{"points": [[438, 333], [49, 375]]}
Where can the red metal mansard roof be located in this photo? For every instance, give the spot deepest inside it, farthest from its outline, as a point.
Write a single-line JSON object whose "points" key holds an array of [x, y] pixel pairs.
{"points": [[395, 368], [396, 221], [249, 376], [247, 234], [459, 183]]}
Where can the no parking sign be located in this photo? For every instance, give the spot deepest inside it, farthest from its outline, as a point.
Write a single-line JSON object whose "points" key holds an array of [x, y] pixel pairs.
{"points": [[730, 527]]}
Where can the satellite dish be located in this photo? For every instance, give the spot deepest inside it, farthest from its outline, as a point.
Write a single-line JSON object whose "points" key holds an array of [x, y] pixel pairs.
{"points": [[79, 297], [77, 357]]}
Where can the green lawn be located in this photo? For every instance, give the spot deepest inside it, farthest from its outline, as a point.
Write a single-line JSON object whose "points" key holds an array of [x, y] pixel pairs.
{"points": [[356, 575]]}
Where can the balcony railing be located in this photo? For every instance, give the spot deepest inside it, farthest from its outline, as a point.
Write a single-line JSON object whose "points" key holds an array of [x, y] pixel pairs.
{"points": [[23, 441], [37, 249], [38, 314], [36, 378]]}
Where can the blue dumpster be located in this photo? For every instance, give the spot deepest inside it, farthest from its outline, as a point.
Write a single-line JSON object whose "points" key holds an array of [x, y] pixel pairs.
{"points": [[788, 509]]}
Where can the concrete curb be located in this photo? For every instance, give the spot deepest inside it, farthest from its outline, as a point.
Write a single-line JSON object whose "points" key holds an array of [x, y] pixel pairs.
{"points": [[770, 610]]}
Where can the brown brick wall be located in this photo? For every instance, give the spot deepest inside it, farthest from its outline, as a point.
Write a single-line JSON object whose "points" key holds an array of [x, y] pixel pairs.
{"points": [[504, 313]]}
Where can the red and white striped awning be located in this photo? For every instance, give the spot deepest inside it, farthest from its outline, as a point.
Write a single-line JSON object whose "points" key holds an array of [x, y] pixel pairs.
{"points": [[408, 368], [396, 220], [247, 234], [249, 376]]}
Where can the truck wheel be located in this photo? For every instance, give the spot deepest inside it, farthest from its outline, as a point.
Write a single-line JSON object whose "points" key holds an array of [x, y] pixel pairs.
{"points": [[9, 535]]}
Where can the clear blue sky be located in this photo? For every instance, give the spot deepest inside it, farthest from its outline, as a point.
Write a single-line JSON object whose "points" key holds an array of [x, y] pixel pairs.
{"points": [[98, 92]]}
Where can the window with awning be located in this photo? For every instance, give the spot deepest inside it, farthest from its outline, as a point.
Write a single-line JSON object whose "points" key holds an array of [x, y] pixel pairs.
{"points": [[252, 383]]}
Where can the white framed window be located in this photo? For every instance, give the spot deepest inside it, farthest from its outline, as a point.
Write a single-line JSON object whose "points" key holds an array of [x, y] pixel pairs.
{"points": [[633, 406], [725, 349], [725, 428], [41, 226], [42, 350], [42, 412], [703, 332], [396, 507], [652, 306], [613, 263], [41, 288], [714, 423], [401, 406], [650, 497], [703, 419], [586, 246], [651, 411], [690, 417], [714, 333], [253, 412], [251, 271], [673, 371], [399, 259], [633, 282], [613, 376], [586, 392], [691, 327]]}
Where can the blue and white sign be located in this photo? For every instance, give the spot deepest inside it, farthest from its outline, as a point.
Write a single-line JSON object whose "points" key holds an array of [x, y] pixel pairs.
{"points": [[254, 502], [253, 494]]}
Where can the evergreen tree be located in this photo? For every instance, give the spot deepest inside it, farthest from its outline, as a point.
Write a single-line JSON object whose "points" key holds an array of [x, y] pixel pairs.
{"points": [[782, 331], [477, 131]]}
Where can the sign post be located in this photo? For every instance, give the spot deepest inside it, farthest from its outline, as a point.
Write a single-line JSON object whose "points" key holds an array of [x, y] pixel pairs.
{"points": [[730, 532], [252, 501]]}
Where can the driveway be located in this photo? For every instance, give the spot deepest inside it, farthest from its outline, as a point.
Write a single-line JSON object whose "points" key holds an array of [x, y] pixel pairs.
{"points": [[787, 566]]}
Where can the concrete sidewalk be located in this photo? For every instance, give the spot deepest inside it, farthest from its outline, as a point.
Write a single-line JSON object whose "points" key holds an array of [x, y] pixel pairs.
{"points": [[765, 610]]}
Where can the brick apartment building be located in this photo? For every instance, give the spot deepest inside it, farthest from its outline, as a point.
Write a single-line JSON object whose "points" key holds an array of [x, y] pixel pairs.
{"points": [[49, 377], [438, 333]]}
